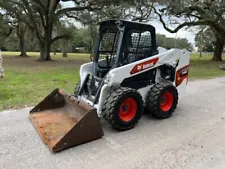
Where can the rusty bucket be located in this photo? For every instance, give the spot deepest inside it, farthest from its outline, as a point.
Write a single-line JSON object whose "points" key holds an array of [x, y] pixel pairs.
{"points": [[62, 121]]}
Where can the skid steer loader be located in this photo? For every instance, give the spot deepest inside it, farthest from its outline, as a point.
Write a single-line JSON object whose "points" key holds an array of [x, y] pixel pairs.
{"points": [[128, 73]]}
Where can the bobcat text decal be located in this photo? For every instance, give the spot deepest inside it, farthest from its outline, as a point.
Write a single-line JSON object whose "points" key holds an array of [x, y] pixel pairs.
{"points": [[182, 74], [144, 65]]}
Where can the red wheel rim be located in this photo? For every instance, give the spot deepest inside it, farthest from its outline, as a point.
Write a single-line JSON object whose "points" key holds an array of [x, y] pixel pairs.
{"points": [[128, 109], [166, 101]]}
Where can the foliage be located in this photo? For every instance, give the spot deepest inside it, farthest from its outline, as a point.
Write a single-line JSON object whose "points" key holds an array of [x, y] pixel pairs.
{"points": [[5, 29], [81, 41], [41, 17], [135, 10], [181, 43], [205, 40], [189, 13]]}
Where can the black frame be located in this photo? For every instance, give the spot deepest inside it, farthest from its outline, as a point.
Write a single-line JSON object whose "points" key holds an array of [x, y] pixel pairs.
{"points": [[142, 28], [124, 27]]}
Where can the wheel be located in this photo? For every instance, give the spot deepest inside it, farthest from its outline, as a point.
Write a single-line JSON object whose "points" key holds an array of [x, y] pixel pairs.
{"points": [[77, 88], [162, 100], [123, 108]]}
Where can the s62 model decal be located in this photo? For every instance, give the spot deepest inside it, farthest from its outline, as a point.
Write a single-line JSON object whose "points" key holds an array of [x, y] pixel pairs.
{"points": [[144, 65], [182, 74]]}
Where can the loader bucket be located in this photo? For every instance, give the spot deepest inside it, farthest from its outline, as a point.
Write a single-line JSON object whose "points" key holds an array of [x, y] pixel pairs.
{"points": [[62, 121]]}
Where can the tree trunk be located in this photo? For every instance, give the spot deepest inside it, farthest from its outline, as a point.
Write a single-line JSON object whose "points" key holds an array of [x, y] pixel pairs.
{"points": [[200, 54], [219, 49], [21, 30], [23, 49], [63, 44], [64, 51], [93, 33], [46, 44], [45, 51]]}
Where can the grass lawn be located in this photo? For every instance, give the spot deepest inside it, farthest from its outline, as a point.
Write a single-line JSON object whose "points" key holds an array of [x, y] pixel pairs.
{"points": [[27, 81], [204, 68]]}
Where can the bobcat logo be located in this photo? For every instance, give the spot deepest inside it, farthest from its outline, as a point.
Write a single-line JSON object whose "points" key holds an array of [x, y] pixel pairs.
{"points": [[144, 65]]}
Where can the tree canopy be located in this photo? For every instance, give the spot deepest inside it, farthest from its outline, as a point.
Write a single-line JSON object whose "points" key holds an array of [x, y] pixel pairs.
{"points": [[205, 40], [46, 22], [41, 17], [188, 13]]}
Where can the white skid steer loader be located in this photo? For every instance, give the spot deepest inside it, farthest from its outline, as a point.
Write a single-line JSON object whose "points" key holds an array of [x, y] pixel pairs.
{"points": [[128, 73]]}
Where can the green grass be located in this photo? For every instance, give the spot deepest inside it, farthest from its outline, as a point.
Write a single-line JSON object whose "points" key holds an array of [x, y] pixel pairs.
{"points": [[27, 81], [204, 68]]}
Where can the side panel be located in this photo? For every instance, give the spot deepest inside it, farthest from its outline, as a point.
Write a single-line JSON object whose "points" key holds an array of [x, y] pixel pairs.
{"points": [[182, 73], [85, 69], [180, 61], [117, 75], [175, 57]]}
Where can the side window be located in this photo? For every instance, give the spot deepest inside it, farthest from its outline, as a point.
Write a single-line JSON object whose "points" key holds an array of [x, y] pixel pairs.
{"points": [[138, 45], [108, 47], [109, 42], [141, 40]]}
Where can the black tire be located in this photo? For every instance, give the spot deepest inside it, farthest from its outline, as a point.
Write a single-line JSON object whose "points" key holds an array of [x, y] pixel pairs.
{"points": [[77, 88], [127, 100], [158, 108]]}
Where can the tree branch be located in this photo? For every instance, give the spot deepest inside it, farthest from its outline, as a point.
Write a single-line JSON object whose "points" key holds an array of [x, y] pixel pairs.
{"points": [[66, 10], [32, 18], [65, 36], [196, 23], [40, 3], [42, 18], [78, 19]]}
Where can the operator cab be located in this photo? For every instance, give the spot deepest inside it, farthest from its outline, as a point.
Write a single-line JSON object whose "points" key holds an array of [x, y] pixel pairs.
{"points": [[122, 42]]}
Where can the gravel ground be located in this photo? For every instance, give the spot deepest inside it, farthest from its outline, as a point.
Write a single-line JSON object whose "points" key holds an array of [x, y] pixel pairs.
{"points": [[194, 137]]}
